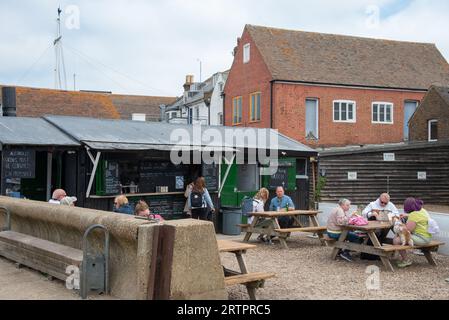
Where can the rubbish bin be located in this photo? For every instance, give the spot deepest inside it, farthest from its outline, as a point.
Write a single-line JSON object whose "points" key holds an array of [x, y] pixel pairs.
{"points": [[231, 218]]}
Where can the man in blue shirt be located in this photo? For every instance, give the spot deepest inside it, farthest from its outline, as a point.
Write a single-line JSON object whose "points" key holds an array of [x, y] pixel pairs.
{"points": [[281, 201]]}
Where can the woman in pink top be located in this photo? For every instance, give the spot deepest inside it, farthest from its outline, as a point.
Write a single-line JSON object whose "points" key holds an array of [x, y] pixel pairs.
{"points": [[338, 217]]}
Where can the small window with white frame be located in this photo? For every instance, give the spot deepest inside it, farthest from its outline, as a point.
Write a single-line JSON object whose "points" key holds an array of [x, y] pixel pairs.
{"points": [[382, 113], [139, 117], [433, 130], [246, 53], [344, 111]]}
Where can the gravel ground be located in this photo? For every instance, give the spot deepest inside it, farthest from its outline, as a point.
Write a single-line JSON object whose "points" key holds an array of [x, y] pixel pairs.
{"points": [[306, 272]]}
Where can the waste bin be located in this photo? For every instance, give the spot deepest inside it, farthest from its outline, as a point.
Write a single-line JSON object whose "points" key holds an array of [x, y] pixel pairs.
{"points": [[231, 218]]}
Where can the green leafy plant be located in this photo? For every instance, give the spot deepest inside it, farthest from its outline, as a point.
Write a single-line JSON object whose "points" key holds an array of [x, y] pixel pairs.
{"points": [[319, 187]]}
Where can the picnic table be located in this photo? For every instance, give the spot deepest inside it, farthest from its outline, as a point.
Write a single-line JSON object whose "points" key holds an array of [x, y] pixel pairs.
{"points": [[253, 280], [271, 228], [384, 251]]}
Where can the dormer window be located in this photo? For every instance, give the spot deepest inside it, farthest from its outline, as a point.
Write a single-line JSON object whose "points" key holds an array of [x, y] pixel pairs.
{"points": [[246, 53]]}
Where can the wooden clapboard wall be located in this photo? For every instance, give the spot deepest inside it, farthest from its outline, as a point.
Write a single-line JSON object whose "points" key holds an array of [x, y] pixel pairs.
{"points": [[399, 178]]}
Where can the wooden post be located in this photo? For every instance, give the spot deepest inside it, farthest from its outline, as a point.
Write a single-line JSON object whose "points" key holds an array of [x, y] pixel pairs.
{"points": [[161, 263]]}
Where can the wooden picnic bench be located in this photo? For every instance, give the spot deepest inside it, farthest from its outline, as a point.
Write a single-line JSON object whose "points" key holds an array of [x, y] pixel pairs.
{"points": [[386, 252], [271, 227], [252, 280]]}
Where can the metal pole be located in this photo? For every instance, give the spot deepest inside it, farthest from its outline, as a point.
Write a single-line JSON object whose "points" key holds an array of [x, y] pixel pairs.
{"points": [[49, 173]]}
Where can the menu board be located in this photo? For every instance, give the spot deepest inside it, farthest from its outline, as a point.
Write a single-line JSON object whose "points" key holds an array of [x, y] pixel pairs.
{"points": [[280, 178], [19, 164], [165, 205], [112, 178], [210, 174], [161, 174]]}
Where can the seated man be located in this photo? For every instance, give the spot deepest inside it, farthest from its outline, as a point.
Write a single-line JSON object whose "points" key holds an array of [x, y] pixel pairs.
{"points": [[281, 202], [372, 211]]}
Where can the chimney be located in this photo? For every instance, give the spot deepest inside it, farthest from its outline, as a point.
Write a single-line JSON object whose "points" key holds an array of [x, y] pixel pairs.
{"points": [[189, 81], [9, 106], [162, 109]]}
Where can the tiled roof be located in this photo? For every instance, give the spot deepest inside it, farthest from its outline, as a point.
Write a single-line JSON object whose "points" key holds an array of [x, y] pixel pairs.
{"points": [[37, 102], [127, 105], [336, 59]]}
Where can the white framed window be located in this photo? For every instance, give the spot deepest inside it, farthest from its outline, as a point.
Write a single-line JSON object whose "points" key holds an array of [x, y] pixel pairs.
{"points": [[312, 118], [246, 53], [139, 117], [382, 112], [344, 111], [220, 118], [433, 130]]}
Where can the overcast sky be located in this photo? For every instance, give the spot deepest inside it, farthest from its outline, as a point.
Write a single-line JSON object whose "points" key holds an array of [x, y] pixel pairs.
{"points": [[147, 47]]}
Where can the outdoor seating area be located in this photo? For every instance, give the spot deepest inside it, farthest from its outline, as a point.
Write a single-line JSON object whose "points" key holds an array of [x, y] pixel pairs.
{"points": [[251, 280], [306, 271], [271, 228]]}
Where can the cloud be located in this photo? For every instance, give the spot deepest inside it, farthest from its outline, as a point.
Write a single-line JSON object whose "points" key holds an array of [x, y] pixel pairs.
{"points": [[147, 47]]}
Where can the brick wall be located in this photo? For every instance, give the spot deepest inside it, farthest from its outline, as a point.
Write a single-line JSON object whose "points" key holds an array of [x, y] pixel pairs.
{"points": [[432, 108], [245, 79], [289, 105], [289, 117]]}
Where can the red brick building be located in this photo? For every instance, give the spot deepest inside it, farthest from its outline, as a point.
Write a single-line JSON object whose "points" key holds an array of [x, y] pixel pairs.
{"points": [[430, 122], [329, 90]]}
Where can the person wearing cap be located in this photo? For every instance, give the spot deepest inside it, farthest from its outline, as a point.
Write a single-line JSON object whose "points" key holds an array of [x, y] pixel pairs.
{"points": [[57, 196], [68, 201]]}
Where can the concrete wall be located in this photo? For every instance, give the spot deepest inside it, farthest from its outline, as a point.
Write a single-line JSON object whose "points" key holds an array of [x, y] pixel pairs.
{"points": [[131, 243]]}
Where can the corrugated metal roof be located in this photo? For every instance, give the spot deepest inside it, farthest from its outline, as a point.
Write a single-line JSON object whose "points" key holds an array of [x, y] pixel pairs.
{"points": [[32, 132], [135, 135]]}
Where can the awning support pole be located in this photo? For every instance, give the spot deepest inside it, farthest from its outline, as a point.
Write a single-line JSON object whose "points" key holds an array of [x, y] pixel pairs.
{"points": [[95, 161], [226, 173]]}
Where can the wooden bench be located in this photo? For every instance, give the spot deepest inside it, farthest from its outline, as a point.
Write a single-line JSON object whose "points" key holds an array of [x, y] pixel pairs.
{"points": [[432, 246], [244, 226], [252, 281], [426, 249], [305, 229], [42, 255]]}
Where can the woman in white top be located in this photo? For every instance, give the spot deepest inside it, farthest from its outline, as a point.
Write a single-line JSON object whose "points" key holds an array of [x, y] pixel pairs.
{"points": [[259, 206]]}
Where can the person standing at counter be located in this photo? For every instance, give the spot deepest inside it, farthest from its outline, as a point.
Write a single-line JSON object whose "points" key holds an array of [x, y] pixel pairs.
{"points": [[187, 193], [121, 205], [199, 200]]}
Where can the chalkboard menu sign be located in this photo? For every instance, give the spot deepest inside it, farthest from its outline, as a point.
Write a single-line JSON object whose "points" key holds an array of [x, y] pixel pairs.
{"points": [[165, 205], [112, 179], [161, 174], [210, 174], [280, 178], [19, 164]]}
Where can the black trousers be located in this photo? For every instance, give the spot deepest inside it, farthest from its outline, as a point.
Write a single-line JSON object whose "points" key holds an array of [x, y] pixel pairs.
{"points": [[200, 213]]}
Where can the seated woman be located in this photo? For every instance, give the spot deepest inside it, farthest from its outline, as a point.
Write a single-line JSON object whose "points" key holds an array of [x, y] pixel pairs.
{"points": [[259, 201], [338, 217], [417, 224], [121, 205], [143, 210]]}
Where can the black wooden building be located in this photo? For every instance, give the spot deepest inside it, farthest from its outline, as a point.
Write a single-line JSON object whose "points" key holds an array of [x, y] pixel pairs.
{"points": [[403, 170]]}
